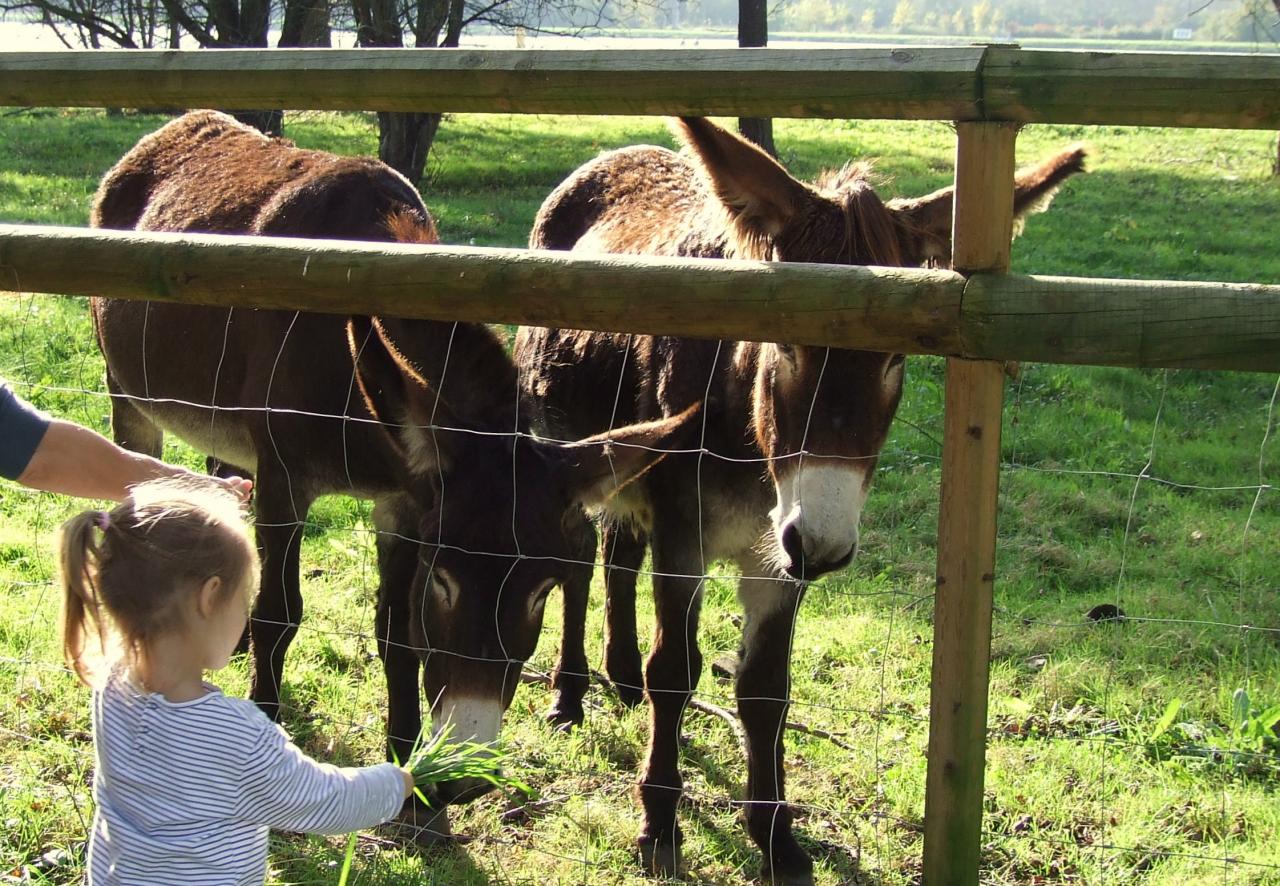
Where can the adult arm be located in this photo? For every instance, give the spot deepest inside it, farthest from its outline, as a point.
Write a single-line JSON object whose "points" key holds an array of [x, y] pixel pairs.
{"points": [[77, 461]]}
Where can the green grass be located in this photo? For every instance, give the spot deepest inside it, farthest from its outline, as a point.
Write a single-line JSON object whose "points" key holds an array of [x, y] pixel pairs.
{"points": [[1080, 787]]}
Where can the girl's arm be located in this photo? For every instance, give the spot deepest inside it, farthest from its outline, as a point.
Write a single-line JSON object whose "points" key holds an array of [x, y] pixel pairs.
{"points": [[283, 788]]}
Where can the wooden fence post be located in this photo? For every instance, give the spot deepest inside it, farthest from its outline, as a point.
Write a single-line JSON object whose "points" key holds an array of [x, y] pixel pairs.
{"points": [[981, 236]]}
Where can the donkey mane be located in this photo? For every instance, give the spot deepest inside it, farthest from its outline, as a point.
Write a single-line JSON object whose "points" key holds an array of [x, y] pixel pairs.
{"points": [[407, 226]]}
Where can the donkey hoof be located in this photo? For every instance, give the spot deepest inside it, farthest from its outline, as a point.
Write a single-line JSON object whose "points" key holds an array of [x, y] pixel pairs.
{"points": [[659, 859], [423, 826], [789, 867], [565, 718], [630, 694]]}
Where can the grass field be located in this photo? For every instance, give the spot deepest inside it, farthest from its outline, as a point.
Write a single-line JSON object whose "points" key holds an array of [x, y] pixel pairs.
{"points": [[1086, 781]]}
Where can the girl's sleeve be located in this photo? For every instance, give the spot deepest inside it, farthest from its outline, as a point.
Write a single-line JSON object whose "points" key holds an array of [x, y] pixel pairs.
{"points": [[283, 788]]}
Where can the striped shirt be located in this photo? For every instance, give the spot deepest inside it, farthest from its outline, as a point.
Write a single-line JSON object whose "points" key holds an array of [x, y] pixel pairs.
{"points": [[186, 791]]}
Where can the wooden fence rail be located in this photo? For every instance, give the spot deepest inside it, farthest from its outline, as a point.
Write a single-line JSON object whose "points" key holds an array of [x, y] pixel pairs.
{"points": [[985, 316], [932, 83]]}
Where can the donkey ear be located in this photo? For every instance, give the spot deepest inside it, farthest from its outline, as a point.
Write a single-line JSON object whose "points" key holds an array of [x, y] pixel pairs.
{"points": [[397, 395], [924, 225], [926, 221], [761, 196], [602, 465], [1035, 186]]}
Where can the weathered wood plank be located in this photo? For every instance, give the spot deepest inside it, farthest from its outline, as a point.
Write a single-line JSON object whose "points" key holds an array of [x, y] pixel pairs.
{"points": [[967, 528], [880, 82], [911, 311], [1230, 91], [1123, 322], [1147, 323], [940, 83]]}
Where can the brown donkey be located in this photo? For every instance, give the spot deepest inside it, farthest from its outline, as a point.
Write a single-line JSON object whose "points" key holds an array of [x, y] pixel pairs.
{"points": [[476, 519], [788, 439]]}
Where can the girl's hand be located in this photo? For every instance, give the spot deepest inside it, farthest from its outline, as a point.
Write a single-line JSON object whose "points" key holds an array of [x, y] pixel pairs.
{"points": [[240, 487], [408, 782]]}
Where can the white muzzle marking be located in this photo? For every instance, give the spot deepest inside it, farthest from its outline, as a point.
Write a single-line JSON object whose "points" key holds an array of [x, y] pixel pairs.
{"points": [[474, 718], [823, 502]]}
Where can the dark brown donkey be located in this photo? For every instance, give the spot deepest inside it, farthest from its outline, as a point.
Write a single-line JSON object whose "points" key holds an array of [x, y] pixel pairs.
{"points": [[790, 435], [421, 417]]}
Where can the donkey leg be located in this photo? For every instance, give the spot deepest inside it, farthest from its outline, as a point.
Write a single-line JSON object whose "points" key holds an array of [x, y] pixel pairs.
{"points": [[396, 523], [130, 427], [763, 691], [623, 556], [572, 674], [278, 610], [671, 675]]}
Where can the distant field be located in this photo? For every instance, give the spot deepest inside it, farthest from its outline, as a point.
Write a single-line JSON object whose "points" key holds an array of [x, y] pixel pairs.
{"points": [[1086, 782], [778, 37]]}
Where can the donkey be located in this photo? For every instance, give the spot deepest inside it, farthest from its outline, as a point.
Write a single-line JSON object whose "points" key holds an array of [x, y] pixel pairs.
{"points": [[788, 440], [420, 417]]}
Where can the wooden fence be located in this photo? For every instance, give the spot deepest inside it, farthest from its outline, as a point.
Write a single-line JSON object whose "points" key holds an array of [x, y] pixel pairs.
{"points": [[975, 316]]}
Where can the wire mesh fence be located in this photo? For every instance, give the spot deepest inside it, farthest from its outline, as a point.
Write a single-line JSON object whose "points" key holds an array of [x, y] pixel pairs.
{"points": [[1134, 582]]}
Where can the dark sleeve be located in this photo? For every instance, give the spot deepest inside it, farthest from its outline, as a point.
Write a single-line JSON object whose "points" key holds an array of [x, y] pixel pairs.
{"points": [[22, 427]]}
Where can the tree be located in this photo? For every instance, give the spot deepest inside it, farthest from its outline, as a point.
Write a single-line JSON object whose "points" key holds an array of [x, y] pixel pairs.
{"points": [[1254, 15], [1275, 162], [405, 138], [753, 30], [226, 24], [129, 24], [214, 24], [981, 15], [904, 14], [306, 23]]}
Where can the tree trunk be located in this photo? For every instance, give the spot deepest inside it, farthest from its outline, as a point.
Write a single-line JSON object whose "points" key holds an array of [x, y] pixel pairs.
{"points": [[753, 30], [232, 24], [306, 23], [1275, 163], [405, 138]]}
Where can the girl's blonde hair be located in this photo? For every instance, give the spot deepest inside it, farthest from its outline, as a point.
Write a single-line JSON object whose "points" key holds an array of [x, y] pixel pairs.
{"points": [[131, 571]]}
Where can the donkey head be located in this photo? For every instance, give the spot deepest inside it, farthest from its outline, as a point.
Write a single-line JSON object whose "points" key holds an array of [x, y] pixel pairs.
{"points": [[502, 514], [821, 415]]}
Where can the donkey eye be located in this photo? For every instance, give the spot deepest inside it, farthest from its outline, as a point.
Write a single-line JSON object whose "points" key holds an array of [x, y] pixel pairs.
{"points": [[444, 587]]}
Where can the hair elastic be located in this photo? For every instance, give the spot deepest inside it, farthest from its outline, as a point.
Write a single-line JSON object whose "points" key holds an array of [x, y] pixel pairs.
{"points": [[102, 520]]}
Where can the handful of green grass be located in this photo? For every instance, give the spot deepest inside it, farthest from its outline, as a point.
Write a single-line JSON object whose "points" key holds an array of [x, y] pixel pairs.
{"points": [[437, 760]]}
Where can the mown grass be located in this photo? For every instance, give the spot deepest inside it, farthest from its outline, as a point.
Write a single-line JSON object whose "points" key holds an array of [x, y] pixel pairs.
{"points": [[1080, 788]]}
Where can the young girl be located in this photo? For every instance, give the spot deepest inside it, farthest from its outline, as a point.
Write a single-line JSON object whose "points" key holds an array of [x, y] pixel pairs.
{"points": [[188, 781]]}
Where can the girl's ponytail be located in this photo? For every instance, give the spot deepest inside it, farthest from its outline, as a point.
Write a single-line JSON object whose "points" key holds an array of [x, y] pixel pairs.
{"points": [[80, 557]]}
